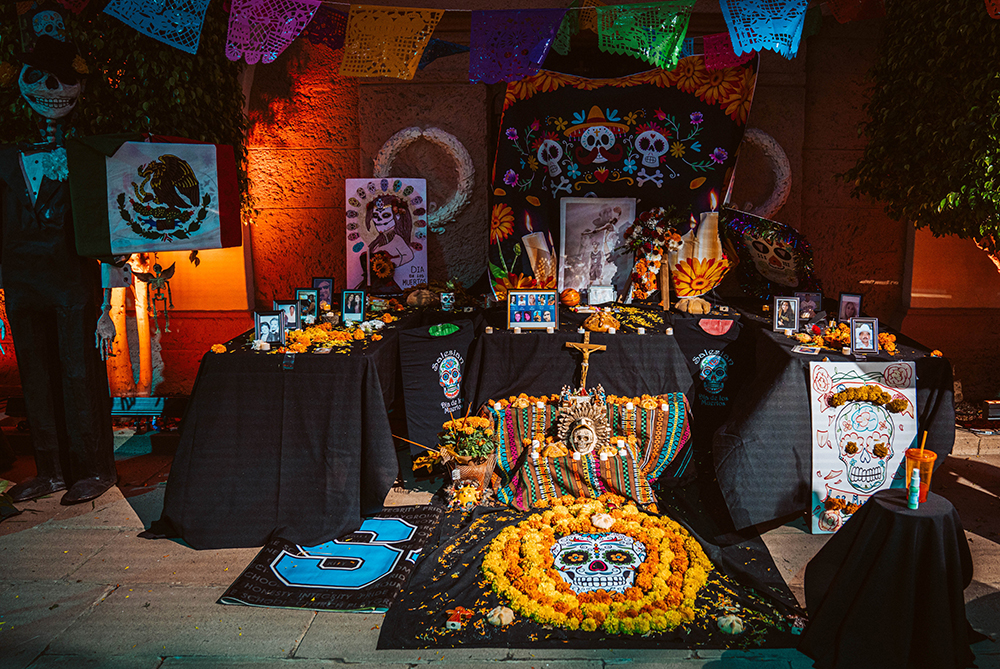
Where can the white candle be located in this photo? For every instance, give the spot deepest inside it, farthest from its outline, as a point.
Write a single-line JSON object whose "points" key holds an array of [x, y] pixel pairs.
{"points": [[629, 406], [537, 250], [621, 443], [641, 330], [788, 332], [580, 330], [489, 330], [517, 330], [604, 457], [611, 330], [534, 455], [846, 350], [550, 329], [670, 331], [663, 407], [540, 405], [576, 455]]}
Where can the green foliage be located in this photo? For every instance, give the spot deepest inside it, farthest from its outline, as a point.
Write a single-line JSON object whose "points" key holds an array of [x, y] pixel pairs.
{"points": [[933, 119], [138, 84]]}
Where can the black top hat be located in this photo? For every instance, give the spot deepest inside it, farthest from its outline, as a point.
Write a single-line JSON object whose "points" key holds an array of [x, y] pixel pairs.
{"points": [[59, 58]]}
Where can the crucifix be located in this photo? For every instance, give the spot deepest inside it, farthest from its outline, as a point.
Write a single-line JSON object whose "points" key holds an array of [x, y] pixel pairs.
{"points": [[586, 348]]}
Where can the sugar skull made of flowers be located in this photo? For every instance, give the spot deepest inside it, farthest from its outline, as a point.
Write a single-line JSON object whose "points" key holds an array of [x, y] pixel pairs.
{"points": [[589, 562], [864, 440]]}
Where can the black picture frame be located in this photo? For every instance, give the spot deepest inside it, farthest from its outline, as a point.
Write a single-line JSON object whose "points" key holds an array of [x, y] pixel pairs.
{"points": [[290, 311], [532, 309], [844, 314], [861, 329], [326, 288], [785, 320], [308, 299], [273, 320], [352, 306]]}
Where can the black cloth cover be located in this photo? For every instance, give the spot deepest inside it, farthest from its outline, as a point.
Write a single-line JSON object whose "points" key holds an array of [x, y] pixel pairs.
{"points": [[886, 590], [300, 453], [432, 372], [537, 363], [762, 452]]}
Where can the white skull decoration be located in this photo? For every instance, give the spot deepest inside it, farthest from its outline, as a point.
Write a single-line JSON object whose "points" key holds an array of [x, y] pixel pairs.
{"points": [[450, 376], [651, 144], [49, 23], [598, 137], [589, 562], [773, 259], [549, 154], [47, 94], [714, 370], [864, 441]]}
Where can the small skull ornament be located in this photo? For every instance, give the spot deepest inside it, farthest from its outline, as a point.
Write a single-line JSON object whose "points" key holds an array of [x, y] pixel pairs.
{"points": [[864, 442], [589, 562], [549, 154], [47, 94], [651, 144], [450, 376]]}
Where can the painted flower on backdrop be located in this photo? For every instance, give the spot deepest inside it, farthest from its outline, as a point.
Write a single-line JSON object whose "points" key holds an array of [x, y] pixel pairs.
{"points": [[738, 103], [720, 85], [677, 149], [695, 277], [512, 134], [560, 124], [696, 118], [689, 75], [719, 155], [501, 223], [510, 178], [546, 81], [573, 170], [521, 89], [629, 166], [660, 115], [520, 282], [532, 163], [631, 118]]}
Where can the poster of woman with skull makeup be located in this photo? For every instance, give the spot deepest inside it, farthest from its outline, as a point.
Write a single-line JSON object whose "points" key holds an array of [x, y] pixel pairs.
{"points": [[864, 417], [386, 234]]}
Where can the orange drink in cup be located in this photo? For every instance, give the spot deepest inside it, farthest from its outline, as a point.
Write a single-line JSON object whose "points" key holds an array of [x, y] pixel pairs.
{"points": [[916, 457]]}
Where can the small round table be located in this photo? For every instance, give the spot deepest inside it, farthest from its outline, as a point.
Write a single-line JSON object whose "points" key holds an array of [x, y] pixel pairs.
{"points": [[886, 590]]}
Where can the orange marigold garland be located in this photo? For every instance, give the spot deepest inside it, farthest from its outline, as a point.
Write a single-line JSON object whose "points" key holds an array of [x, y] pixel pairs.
{"points": [[519, 566]]}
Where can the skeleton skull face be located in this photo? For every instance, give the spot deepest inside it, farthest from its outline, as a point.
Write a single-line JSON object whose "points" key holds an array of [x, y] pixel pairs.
{"points": [[651, 144], [714, 370], [49, 23], [450, 376], [47, 94], [549, 154], [773, 259], [599, 139], [864, 441], [589, 562], [583, 439], [384, 218]]}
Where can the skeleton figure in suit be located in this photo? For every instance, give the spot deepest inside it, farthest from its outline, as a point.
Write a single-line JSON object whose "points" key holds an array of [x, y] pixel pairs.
{"points": [[52, 294]]}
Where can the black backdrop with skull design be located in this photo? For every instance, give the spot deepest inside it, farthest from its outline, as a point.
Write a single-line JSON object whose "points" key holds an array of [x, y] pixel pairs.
{"points": [[662, 137]]}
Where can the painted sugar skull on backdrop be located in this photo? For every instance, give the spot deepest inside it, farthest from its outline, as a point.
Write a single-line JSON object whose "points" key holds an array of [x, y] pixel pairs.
{"points": [[386, 233], [662, 137]]}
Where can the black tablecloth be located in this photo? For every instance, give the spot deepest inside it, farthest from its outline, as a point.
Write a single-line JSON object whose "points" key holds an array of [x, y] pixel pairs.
{"points": [[763, 452], [299, 453], [537, 363], [886, 590]]}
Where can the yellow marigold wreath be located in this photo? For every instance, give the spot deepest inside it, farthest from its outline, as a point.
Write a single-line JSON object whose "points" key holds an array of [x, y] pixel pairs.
{"points": [[519, 565]]}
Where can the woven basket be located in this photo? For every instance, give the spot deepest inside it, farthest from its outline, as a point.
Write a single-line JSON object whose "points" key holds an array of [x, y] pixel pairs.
{"points": [[469, 470]]}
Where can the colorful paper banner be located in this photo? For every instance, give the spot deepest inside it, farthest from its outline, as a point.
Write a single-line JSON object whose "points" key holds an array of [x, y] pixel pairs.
{"points": [[386, 41], [511, 45]]}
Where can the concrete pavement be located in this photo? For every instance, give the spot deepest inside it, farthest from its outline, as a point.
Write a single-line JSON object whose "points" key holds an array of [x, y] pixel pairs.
{"points": [[79, 589]]}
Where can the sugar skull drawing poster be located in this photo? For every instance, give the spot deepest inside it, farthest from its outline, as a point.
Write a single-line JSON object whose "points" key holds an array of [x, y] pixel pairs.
{"points": [[864, 417], [386, 234]]}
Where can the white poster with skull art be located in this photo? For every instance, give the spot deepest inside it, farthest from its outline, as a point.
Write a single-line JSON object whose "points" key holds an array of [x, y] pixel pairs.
{"points": [[859, 439], [386, 234]]}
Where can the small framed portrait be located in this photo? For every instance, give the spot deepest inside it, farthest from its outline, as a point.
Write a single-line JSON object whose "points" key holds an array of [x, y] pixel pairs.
{"points": [[352, 306], [786, 314], [308, 299], [600, 295], [809, 304], [850, 307], [325, 288], [864, 335], [269, 326], [532, 309], [290, 310]]}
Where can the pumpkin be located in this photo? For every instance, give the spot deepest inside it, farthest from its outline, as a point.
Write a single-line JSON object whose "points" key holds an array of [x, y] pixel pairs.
{"points": [[570, 297]]}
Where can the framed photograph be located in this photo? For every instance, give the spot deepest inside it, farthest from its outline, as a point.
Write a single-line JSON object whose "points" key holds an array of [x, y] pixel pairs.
{"points": [[809, 304], [326, 288], [290, 310], [269, 326], [864, 335], [600, 294], [806, 350], [591, 229], [308, 299], [352, 306], [532, 309], [786, 314], [850, 307]]}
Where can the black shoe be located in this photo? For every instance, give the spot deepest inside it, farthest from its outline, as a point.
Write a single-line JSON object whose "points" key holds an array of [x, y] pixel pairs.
{"points": [[36, 487], [85, 490]]}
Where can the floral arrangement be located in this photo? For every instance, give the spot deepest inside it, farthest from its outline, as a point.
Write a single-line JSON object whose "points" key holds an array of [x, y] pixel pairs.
{"points": [[328, 335], [838, 336], [218, 348], [652, 234], [837, 504], [519, 566], [872, 394], [469, 437]]}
